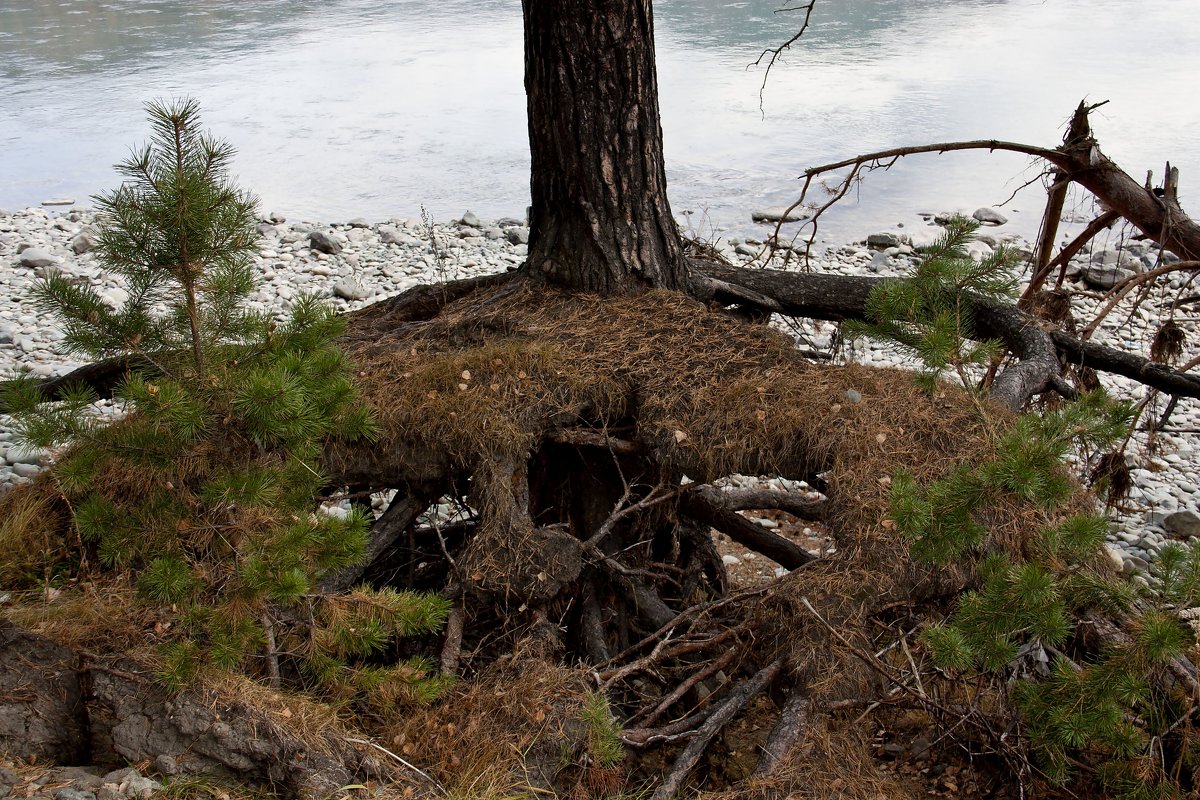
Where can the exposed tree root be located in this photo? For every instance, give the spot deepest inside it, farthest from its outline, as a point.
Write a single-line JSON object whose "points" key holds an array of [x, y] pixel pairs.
{"points": [[583, 438]]}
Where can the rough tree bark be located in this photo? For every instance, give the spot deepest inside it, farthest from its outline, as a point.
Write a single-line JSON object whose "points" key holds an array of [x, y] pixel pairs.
{"points": [[600, 219]]}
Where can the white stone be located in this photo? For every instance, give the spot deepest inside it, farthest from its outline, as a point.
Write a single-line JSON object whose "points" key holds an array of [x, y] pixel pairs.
{"points": [[26, 470], [990, 216]]}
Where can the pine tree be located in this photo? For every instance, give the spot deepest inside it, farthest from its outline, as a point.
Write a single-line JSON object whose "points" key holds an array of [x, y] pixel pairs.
{"points": [[207, 488]]}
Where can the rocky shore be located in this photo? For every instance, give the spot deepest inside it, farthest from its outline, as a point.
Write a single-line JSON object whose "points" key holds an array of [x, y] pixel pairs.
{"points": [[360, 261], [75, 783]]}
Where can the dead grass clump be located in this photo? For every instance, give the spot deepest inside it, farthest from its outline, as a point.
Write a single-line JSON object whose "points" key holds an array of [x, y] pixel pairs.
{"points": [[709, 395], [316, 725], [511, 730], [492, 377], [825, 764], [33, 528], [94, 617]]}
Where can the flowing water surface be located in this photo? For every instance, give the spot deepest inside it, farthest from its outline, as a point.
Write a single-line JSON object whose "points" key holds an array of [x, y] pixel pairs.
{"points": [[375, 108]]}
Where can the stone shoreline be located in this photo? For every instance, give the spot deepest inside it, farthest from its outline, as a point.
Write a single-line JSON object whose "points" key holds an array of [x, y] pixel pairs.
{"points": [[360, 262]]}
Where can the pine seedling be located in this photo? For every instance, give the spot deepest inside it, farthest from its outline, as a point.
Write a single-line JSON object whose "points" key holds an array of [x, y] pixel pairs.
{"points": [[354, 630], [603, 731], [207, 488], [928, 314], [1025, 602]]}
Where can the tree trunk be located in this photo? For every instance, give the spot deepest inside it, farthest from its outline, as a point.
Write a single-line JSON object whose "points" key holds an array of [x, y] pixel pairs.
{"points": [[600, 220]]}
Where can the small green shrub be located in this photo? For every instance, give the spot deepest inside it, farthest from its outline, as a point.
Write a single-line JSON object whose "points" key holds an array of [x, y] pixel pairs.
{"points": [[207, 489], [1106, 706]]}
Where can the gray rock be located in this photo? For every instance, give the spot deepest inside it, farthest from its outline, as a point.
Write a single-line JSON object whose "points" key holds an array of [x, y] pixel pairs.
{"points": [[509, 222], [517, 234], [393, 236], [265, 228], [276, 217], [26, 470], [35, 257], [115, 297], [359, 222], [1154, 517], [879, 261], [119, 776], [493, 234], [1185, 524], [989, 216], [166, 765], [746, 250], [83, 243], [978, 250], [81, 778], [69, 793], [778, 214], [1134, 564], [853, 396], [1104, 276], [470, 220], [884, 239], [139, 786], [348, 289], [323, 243]]}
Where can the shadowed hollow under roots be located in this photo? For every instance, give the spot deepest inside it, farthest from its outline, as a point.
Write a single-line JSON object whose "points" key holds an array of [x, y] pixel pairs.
{"points": [[476, 401], [475, 395]]}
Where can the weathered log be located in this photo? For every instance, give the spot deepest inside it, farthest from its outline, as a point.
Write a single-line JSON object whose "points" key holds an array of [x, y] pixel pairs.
{"points": [[794, 503], [788, 731], [1129, 365], [838, 297]]}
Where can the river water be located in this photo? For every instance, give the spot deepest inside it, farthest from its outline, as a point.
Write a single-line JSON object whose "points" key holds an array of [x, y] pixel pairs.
{"points": [[377, 108]]}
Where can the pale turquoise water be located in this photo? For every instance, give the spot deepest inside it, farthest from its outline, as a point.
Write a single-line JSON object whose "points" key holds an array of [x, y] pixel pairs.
{"points": [[370, 108]]}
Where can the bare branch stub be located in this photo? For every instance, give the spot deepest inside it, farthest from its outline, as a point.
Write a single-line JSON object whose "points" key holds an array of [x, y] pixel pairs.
{"points": [[772, 54]]}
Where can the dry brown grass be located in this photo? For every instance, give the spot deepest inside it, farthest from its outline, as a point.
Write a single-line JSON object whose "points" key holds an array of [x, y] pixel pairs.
{"points": [[507, 732], [835, 763], [93, 617], [489, 377], [317, 725], [33, 531]]}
